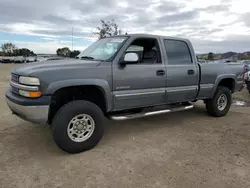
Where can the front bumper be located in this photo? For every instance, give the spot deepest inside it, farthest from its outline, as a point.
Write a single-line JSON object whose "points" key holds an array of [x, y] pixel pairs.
{"points": [[32, 110]]}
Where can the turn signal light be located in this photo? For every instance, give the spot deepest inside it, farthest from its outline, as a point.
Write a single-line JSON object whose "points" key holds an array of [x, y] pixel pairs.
{"points": [[34, 94], [30, 94]]}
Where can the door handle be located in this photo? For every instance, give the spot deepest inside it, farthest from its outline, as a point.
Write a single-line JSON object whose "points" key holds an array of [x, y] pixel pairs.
{"points": [[190, 72], [160, 72]]}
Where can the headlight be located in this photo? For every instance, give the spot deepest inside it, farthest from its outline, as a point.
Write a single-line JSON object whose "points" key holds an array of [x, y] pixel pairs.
{"points": [[29, 80]]}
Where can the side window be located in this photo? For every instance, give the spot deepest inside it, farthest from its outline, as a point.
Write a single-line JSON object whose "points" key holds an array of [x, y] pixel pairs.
{"points": [[178, 52], [136, 48], [147, 50]]}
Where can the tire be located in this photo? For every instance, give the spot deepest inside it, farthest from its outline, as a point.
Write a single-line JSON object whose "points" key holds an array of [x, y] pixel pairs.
{"points": [[212, 106], [67, 118]]}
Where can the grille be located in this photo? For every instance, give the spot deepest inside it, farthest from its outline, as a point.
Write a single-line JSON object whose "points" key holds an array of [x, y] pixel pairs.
{"points": [[14, 77], [15, 90]]}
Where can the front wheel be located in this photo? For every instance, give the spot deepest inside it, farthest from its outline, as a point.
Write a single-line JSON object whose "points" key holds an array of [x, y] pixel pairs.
{"points": [[78, 126], [221, 102]]}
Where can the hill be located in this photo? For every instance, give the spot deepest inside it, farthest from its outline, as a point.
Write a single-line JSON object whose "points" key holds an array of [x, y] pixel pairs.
{"points": [[228, 55]]}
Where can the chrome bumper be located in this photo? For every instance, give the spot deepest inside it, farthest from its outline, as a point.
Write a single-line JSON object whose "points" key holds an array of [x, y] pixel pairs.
{"points": [[34, 114]]}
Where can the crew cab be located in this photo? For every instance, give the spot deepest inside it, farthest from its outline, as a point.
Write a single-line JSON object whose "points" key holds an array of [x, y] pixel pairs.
{"points": [[120, 77]]}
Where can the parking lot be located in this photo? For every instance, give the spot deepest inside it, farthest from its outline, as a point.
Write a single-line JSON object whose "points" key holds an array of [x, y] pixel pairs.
{"points": [[184, 149]]}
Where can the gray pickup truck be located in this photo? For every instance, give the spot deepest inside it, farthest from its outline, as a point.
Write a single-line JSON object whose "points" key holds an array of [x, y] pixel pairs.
{"points": [[120, 77]]}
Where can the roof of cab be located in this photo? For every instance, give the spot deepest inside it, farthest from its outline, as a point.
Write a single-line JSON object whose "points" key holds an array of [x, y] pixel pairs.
{"points": [[149, 35]]}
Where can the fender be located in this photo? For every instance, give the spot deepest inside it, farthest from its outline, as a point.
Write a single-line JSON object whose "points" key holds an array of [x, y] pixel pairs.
{"points": [[221, 77], [102, 84]]}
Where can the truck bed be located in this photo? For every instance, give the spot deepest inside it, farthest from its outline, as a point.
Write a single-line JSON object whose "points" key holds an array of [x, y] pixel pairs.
{"points": [[212, 73]]}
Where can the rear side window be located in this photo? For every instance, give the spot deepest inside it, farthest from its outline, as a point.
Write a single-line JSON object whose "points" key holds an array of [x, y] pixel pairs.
{"points": [[178, 52]]}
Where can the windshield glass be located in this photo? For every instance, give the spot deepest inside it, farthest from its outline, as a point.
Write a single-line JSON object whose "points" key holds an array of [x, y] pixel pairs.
{"points": [[103, 49]]}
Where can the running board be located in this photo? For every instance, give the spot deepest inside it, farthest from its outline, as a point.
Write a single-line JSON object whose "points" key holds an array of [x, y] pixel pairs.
{"points": [[145, 114]]}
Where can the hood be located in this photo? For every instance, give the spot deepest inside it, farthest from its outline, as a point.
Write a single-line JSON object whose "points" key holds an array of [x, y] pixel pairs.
{"points": [[27, 69]]}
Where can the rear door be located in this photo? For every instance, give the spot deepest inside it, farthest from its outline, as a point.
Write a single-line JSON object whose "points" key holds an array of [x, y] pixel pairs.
{"points": [[182, 72]]}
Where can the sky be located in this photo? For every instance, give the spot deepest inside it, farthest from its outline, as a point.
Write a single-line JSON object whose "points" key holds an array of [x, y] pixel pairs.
{"points": [[43, 26]]}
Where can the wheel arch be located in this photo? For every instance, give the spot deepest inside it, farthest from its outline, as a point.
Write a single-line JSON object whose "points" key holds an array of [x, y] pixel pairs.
{"points": [[103, 85], [63, 92], [228, 81]]}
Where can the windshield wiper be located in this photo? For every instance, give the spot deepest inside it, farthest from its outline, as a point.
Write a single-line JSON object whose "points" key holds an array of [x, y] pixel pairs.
{"points": [[87, 57]]}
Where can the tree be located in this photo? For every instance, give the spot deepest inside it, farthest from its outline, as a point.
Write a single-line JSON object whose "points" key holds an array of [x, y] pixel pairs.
{"points": [[65, 52], [8, 48], [74, 53], [59, 51], [210, 56], [23, 52], [245, 57], [107, 28]]}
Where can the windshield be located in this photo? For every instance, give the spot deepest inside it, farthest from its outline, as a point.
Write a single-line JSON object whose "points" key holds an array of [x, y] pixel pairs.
{"points": [[103, 49]]}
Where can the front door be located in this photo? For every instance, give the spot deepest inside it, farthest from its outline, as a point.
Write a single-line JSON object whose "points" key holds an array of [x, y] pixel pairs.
{"points": [[141, 84], [182, 72]]}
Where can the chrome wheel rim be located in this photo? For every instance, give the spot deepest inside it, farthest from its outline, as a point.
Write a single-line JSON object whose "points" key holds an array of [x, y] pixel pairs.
{"points": [[81, 128], [222, 102]]}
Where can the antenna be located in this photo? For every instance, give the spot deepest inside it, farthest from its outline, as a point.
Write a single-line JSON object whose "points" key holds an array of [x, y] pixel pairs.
{"points": [[72, 39]]}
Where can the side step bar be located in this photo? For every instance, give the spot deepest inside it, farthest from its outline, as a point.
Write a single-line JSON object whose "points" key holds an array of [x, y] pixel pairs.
{"points": [[145, 114]]}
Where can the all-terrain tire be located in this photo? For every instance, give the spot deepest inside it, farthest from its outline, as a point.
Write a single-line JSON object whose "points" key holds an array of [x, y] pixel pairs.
{"points": [[212, 106], [68, 113]]}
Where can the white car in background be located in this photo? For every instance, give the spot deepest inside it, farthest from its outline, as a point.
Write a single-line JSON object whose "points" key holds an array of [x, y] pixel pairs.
{"points": [[19, 59], [31, 59], [7, 59], [247, 80], [40, 59]]}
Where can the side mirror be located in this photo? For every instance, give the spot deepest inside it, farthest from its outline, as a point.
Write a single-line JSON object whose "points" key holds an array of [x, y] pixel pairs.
{"points": [[130, 58]]}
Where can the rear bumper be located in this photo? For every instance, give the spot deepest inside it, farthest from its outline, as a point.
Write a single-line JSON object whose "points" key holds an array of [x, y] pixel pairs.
{"points": [[32, 110]]}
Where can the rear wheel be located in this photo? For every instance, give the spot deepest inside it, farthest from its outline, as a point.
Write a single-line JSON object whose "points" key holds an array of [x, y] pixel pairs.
{"points": [[221, 102], [78, 126]]}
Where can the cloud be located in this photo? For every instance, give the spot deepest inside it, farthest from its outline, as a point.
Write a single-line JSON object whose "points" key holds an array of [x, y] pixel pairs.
{"points": [[45, 47], [245, 18], [176, 18], [217, 8], [222, 46], [214, 25]]}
